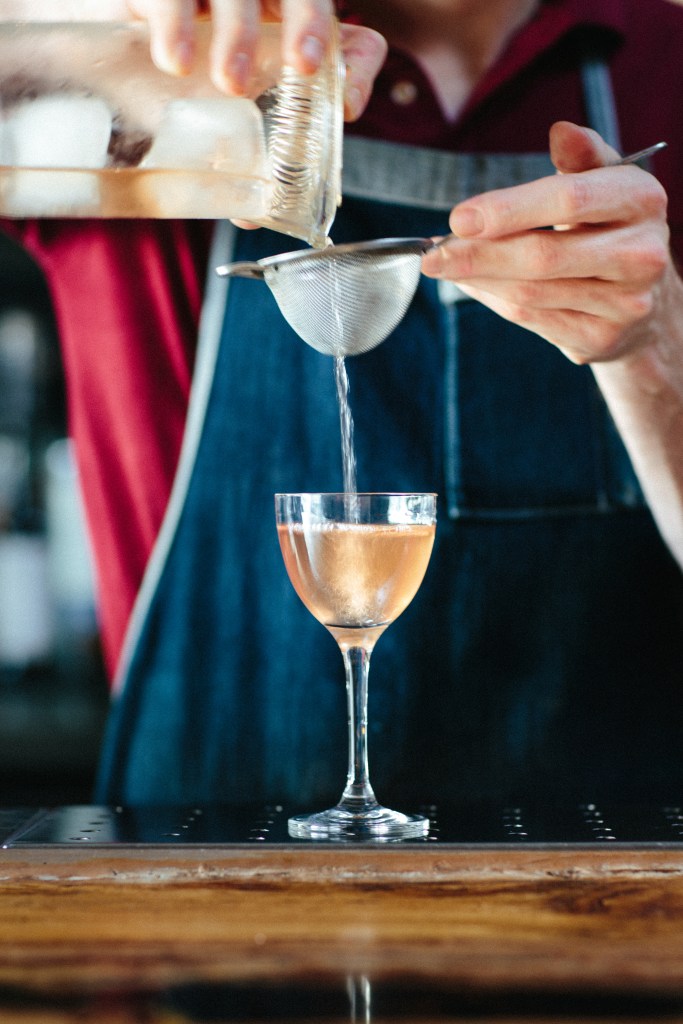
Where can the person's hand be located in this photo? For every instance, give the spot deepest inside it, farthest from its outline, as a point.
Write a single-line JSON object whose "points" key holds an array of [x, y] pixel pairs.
{"points": [[306, 26], [593, 285]]}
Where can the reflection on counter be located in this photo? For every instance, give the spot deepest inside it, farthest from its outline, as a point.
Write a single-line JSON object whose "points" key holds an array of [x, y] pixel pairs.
{"points": [[492, 825], [354, 1000]]}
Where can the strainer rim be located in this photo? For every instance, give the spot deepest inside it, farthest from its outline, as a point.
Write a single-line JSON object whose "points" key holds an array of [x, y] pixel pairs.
{"points": [[385, 245]]}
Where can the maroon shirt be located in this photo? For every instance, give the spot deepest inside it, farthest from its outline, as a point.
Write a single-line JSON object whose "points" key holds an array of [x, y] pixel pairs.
{"points": [[127, 294]]}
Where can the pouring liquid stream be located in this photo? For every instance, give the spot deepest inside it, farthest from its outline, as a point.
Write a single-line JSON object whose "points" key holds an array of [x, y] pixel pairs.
{"points": [[348, 452]]}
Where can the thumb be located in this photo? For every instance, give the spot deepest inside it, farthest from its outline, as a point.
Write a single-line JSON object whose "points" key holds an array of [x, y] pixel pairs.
{"points": [[574, 149]]}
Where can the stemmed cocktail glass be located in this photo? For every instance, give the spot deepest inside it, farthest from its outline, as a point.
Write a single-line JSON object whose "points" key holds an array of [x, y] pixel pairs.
{"points": [[356, 561]]}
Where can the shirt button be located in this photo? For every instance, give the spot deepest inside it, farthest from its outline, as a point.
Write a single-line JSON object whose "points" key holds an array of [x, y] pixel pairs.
{"points": [[404, 93]]}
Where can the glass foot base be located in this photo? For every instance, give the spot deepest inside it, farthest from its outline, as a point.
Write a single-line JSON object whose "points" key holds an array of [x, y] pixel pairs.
{"points": [[379, 824]]}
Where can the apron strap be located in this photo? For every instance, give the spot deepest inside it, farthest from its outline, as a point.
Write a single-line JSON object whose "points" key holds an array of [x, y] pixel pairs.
{"points": [[431, 179], [434, 179], [601, 109]]}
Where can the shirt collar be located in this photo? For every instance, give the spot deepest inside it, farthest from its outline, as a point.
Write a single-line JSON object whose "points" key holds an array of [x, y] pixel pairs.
{"points": [[553, 21]]}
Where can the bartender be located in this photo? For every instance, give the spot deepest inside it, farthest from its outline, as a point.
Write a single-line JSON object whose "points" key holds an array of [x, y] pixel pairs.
{"points": [[536, 384]]}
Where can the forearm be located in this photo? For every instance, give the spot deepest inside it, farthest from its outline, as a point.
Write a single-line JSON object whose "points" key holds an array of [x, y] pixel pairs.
{"points": [[644, 392]]}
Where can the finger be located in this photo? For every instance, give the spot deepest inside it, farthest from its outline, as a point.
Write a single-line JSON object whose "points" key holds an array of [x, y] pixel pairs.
{"points": [[171, 27], [601, 196], [364, 53], [307, 27], [633, 254], [574, 149], [235, 32], [582, 337], [599, 298]]}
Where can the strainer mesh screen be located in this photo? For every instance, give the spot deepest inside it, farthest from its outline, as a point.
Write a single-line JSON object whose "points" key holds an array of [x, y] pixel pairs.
{"points": [[345, 303]]}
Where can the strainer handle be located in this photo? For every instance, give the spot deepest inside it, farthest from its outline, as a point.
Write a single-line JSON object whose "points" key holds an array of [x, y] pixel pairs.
{"points": [[245, 269]]}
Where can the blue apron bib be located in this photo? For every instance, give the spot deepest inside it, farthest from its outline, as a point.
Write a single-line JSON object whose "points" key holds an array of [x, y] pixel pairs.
{"points": [[543, 652]]}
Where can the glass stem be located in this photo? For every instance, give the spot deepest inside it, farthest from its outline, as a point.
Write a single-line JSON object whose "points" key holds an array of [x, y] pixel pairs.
{"points": [[358, 795]]}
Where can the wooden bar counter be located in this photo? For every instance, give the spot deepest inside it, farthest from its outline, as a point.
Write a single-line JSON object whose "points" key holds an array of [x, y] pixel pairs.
{"points": [[90, 918]]}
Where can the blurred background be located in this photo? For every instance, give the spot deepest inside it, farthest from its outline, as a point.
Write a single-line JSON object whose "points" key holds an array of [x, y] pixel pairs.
{"points": [[53, 695]]}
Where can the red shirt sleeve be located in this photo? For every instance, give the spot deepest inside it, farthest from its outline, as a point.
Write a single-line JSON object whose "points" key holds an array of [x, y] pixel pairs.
{"points": [[127, 297]]}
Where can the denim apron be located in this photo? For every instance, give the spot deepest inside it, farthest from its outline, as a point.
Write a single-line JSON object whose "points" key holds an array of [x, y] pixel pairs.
{"points": [[544, 652]]}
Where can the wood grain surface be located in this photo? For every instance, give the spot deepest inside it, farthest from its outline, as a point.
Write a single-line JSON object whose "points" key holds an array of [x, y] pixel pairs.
{"points": [[599, 921]]}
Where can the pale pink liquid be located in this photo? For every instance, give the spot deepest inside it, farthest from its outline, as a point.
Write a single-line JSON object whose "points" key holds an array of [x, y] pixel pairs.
{"points": [[356, 578]]}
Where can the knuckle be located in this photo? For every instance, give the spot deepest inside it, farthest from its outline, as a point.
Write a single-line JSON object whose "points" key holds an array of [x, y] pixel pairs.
{"points": [[377, 46], [235, 34], [655, 200], [520, 314], [525, 294], [608, 341], [458, 260], [577, 196], [643, 261], [501, 211], [599, 341], [363, 47], [639, 305], [542, 254], [248, 34], [657, 258], [651, 260]]}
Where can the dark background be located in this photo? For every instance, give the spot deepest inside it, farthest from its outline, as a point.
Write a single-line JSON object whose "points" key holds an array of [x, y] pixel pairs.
{"points": [[53, 697]]}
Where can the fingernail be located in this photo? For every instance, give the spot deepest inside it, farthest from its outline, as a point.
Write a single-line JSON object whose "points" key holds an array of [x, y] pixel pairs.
{"points": [[432, 261], [163, 59], [312, 50], [467, 221], [175, 59], [184, 52], [238, 72], [353, 101]]}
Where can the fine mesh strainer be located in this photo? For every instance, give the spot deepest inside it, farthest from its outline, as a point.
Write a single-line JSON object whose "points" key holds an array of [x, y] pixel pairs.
{"points": [[345, 299]]}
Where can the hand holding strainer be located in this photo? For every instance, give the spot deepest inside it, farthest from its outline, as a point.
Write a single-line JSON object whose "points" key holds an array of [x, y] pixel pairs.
{"points": [[346, 299]]}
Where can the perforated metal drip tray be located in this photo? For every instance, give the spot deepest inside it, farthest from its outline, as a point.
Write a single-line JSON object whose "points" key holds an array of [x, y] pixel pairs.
{"points": [[584, 824]]}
